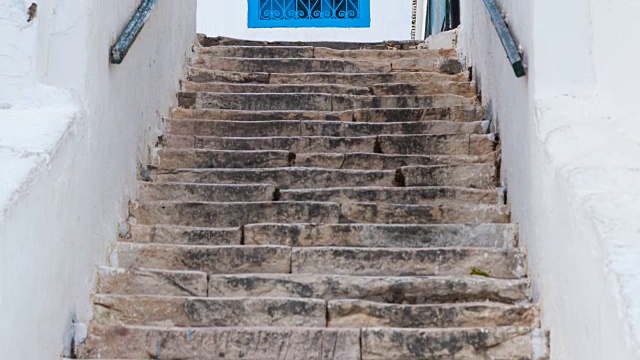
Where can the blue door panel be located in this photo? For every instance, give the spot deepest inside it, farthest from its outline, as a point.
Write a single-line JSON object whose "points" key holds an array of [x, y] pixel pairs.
{"points": [[309, 13]]}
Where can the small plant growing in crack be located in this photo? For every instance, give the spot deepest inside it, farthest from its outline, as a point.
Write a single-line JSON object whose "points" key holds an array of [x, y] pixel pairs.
{"points": [[477, 272]]}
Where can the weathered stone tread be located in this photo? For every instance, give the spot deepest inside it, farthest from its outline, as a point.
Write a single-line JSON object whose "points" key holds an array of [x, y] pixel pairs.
{"points": [[209, 259], [382, 289], [183, 235], [503, 264], [275, 128], [133, 342], [208, 312], [233, 214], [382, 235], [151, 282], [364, 314], [448, 344]]}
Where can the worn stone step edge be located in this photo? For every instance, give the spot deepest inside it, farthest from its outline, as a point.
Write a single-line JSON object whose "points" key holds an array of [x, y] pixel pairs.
{"points": [[381, 289], [185, 311], [197, 127], [177, 155], [381, 115], [159, 310], [199, 192], [364, 79], [460, 88], [206, 41], [133, 342], [351, 235]]}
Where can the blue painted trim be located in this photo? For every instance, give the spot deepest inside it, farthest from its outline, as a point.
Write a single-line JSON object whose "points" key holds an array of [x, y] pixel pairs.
{"points": [[131, 32], [363, 21]]}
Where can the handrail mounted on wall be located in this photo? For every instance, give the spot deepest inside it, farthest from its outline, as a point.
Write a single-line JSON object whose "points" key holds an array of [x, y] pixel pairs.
{"points": [[131, 32], [505, 36]]}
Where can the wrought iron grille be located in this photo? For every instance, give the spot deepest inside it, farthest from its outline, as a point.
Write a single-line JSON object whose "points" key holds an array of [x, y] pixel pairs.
{"points": [[309, 13]]}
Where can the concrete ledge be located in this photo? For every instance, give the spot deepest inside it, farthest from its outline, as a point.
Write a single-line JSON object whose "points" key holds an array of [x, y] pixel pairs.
{"points": [[30, 131]]}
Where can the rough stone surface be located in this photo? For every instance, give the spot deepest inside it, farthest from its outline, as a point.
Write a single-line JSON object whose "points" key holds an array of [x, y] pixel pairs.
{"points": [[327, 201], [208, 312], [232, 214], [209, 259], [184, 235], [151, 282], [382, 289], [367, 314], [379, 235], [464, 344], [505, 264], [136, 342]]}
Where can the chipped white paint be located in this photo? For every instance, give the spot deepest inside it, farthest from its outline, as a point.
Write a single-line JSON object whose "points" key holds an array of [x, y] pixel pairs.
{"points": [[571, 161], [73, 129], [390, 20]]}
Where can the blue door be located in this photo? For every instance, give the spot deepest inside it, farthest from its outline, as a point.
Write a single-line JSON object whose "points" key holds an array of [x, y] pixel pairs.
{"points": [[309, 13]]}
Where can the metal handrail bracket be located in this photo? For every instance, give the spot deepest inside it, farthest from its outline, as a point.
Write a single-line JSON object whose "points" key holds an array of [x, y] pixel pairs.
{"points": [[505, 36], [131, 32]]}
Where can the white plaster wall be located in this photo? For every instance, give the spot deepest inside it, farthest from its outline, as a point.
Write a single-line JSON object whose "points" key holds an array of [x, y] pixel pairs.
{"points": [[69, 152], [390, 20], [571, 173]]}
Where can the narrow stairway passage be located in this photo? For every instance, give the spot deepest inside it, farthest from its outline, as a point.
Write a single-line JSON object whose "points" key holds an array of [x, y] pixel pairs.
{"points": [[319, 203]]}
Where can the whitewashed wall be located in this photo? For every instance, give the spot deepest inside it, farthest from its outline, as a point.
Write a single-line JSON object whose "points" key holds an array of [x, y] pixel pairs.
{"points": [[570, 162], [73, 129], [390, 20]]}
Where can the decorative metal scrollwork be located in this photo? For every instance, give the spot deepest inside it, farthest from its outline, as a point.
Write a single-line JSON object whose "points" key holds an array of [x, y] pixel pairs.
{"points": [[304, 13]]}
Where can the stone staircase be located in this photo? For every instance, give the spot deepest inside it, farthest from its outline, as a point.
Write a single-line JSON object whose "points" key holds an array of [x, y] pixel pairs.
{"points": [[329, 202]]}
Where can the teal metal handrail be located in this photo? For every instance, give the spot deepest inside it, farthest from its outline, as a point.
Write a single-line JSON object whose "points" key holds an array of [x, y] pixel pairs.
{"points": [[507, 39], [131, 32]]}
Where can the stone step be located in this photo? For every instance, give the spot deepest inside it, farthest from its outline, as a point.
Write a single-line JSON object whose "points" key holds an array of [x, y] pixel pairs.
{"points": [[209, 259], [283, 178], [174, 158], [283, 52], [474, 144], [391, 115], [383, 289], [183, 235], [151, 282], [258, 52], [454, 113], [462, 88], [364, 61], [227, 87], [367, 314], [450, 344], [438, 212], [233, 214], [382, 235], [162, 343], [320, 128], [203, 75], [148, 192], [316, 101], [297, 65], [497, 263], [413, 195], [394, 45], [481, 176], [208, 312]]}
